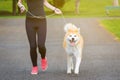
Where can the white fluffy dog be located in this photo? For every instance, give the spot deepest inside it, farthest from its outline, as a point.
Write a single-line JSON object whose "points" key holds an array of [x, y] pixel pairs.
{"points": [[73, 44]]}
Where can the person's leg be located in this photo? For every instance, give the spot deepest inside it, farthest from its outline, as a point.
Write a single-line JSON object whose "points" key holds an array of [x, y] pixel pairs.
{"points": [[41, 42], [31, 34], [42, 37]]}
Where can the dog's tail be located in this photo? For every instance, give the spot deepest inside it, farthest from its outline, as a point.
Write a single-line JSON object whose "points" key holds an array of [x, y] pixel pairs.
{"points": [[69, 26]]}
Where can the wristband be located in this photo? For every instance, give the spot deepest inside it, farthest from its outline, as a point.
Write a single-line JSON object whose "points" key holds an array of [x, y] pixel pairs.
{"points": [[20, 5]]}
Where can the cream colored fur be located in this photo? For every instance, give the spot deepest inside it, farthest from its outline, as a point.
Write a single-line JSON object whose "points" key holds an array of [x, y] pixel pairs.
{"points": [[73, 45]]}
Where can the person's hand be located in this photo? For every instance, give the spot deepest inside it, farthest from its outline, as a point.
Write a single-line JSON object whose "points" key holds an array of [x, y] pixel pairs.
{"points": [[57, 11], [21, 6]]}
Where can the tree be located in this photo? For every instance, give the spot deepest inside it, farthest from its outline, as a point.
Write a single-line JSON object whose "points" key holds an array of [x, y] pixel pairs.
{"points": [[77, 4], [14, 6], [59, 3], [115, 3]]}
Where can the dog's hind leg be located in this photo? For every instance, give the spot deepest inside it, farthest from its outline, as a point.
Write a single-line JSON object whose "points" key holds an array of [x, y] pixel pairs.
{"points": [[69, 64]]}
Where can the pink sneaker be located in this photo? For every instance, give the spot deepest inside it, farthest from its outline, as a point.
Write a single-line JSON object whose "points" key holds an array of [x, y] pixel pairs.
{"points": [[34, 70], [44, 64]]}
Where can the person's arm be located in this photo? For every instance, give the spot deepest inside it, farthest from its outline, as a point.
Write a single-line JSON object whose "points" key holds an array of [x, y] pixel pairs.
{"points": [[48, 5], [21, 6]]}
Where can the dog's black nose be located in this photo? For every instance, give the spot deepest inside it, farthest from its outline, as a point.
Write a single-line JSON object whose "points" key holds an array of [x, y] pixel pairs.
{"points": [[72, 39]]}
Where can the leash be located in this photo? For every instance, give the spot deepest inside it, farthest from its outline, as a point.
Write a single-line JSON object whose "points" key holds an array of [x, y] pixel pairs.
{"points": [[39, 17], [42, 17], [64, 20]]}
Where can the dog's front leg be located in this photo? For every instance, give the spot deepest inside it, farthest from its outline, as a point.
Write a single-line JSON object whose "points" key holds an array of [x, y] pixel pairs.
{"points": [[69, 66], [77, 65]]}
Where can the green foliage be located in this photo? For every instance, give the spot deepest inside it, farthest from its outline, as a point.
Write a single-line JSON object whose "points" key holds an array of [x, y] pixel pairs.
{"points": [[6, 5], [113, 25], [58, 3]]}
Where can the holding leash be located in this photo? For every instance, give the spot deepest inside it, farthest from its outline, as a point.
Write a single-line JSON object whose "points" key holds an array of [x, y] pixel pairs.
{"points": [[22, 8]]}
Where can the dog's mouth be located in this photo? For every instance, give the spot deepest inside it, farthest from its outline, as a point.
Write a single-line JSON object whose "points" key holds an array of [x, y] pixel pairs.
{"points": [[72, 42]]}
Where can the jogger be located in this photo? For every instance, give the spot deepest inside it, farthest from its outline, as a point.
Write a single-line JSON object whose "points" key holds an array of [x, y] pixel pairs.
{"points": [[36, 29]]}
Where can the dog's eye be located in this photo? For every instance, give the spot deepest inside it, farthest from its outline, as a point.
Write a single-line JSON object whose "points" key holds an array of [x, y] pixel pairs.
{"points": [[74, 35], [70, 35]]}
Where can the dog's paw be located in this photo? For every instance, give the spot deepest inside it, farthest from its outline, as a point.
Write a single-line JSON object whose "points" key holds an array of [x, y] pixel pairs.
{"points": [[76, 72], [68, 72]]}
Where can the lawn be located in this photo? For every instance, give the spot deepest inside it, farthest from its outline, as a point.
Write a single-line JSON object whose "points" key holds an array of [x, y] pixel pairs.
{"points": [[112, 25], [6, 5]]}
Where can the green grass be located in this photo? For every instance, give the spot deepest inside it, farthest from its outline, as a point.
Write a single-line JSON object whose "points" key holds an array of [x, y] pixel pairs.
{"points": [[91, 8], [6, 5], [88, 8], [112, 25]]}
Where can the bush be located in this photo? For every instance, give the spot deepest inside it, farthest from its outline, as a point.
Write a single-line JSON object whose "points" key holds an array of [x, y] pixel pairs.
{"points": [[58, 3]]}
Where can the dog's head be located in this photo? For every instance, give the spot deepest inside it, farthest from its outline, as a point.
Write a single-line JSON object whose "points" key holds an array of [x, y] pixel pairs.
{"points": [[72, 35]]}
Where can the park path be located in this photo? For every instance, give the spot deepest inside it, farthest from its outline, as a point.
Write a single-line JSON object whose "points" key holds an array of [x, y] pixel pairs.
{"points": [[101, 53]]}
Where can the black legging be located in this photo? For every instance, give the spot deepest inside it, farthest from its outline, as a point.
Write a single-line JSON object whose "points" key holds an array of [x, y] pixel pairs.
{"points": [[36, 32]]}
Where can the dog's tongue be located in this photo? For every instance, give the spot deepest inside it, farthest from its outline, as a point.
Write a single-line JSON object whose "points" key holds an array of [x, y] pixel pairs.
{"points": [[72, 43]]}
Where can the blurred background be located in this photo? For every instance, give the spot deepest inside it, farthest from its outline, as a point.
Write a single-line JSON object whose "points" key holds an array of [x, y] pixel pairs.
{"points": [[107, 9], [71, 8]]}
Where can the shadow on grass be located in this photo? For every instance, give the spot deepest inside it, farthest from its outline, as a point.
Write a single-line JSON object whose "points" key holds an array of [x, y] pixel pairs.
{"points": [[5, 13], [8, 13]]}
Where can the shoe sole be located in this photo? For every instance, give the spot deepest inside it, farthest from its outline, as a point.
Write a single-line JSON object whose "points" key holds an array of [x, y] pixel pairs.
{"points": [[34, 73]]}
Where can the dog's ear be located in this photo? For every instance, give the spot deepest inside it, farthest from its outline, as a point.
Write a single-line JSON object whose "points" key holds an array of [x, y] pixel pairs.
{"points": [[66, 27]]}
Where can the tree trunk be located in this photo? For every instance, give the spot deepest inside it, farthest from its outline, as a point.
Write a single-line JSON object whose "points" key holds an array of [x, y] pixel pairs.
{"points": [[77, 4], [14, 7], [115, 3]]}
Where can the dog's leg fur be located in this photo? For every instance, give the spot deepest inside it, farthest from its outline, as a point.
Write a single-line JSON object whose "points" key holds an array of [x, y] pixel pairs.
{"points": [[77, 65], [72, 65], [78, 61], [69, 64]]}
